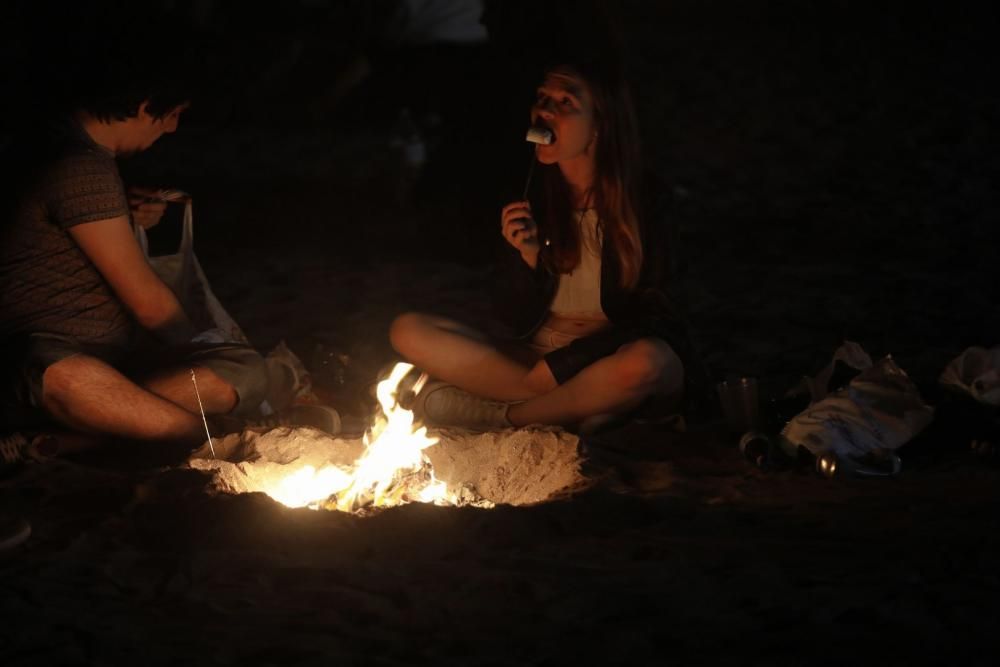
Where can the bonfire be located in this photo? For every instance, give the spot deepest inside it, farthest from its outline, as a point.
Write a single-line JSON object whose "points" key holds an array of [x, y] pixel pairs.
{"points": [[393, 470], [394, 463]]}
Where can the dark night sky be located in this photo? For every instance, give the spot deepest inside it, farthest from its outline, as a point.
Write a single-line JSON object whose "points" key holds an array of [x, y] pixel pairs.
{"points": [[789, 137]]}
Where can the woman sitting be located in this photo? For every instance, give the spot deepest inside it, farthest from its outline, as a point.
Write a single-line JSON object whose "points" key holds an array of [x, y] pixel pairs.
{"points": [[583, 290]]}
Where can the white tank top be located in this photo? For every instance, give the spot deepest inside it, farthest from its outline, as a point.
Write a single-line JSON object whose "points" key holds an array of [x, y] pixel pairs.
{"points": [[579, 292]]}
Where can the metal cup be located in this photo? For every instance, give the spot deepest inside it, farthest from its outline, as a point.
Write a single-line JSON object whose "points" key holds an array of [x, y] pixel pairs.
{"points": [[740, 403]]}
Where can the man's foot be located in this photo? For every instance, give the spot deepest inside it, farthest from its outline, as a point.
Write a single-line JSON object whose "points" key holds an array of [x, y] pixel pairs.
{"points": [[13, 448], [442, 404], [17, 448], [321, 417], [289, 378]]}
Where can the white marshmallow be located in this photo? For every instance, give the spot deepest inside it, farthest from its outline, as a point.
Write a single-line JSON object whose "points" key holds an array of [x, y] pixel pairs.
{"points": [[539, 135]]}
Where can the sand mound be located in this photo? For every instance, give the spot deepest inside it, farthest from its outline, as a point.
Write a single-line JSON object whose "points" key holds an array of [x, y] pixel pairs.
{"points": [[516, 467]]}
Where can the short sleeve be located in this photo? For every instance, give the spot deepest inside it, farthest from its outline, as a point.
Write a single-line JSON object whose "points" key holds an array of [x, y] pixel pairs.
{"points": [[84, 187]]}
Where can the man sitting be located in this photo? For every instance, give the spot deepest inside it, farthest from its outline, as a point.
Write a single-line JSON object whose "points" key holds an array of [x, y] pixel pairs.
{"points": [[75, 287]]}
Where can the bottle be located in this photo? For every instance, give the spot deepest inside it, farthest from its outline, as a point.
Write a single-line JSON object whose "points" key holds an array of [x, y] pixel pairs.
{"points": [[755, 447], [827, 465], [767, 452], [875, 464]]}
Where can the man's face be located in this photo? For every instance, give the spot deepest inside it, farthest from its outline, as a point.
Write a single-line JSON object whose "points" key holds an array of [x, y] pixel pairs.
{"points": [[146, 128]]}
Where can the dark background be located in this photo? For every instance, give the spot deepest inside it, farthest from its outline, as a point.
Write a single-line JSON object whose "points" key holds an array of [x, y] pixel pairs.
{"points": [[831, 167]]}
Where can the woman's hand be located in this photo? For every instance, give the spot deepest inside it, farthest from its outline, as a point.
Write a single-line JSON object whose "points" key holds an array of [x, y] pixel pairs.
{"points": [[520, 230], [147, 208]]}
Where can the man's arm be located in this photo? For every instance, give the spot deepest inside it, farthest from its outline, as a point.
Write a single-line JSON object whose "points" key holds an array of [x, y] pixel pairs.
{"points": [[113, 249]]}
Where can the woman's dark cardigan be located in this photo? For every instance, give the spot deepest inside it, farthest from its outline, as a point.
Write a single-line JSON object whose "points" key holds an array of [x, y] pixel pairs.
{"points": [[655, 308]]}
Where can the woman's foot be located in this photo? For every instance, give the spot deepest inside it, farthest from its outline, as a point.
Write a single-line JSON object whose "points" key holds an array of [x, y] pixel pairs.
{"points": [[442, 404]]}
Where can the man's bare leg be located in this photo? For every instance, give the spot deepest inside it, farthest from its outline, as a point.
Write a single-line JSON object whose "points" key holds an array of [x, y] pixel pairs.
{"points": [[88, 395], [609, 386], [463, 357], [217, 396]]}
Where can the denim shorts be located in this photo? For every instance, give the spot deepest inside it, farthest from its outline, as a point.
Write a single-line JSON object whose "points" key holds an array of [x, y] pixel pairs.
{"points": [[26, 359]]}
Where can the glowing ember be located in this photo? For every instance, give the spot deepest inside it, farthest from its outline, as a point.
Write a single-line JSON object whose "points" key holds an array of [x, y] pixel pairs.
{"points": [[393, 469]]}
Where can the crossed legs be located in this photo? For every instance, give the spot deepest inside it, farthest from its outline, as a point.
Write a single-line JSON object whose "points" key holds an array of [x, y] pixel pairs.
{"points": [[88, 395], [617, 383]]}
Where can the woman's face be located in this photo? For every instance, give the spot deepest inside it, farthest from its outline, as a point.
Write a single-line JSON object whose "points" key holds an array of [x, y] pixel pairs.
{"points": [[563, 104]]}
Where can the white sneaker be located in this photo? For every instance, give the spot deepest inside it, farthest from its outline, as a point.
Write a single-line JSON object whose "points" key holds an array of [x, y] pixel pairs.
{"points": [[442, 404]]}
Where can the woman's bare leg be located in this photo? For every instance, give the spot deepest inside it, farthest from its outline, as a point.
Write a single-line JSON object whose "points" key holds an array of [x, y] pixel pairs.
{"points": [[462, 356], [611, 385]]}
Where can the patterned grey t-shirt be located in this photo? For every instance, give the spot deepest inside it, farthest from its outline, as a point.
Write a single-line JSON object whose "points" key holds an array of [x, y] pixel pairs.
{"points": [[47, 283]]}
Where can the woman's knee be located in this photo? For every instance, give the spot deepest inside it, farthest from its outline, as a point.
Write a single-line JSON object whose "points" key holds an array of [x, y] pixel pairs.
{"points": [[413, 334], [648, 363], [407, 330], [539, 380]]}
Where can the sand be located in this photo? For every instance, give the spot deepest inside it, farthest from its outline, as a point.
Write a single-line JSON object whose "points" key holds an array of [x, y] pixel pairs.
{"points": [[514, 467]]}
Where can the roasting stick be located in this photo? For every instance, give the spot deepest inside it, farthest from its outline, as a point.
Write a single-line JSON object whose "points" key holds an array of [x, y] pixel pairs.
{"points": [[531, 171], [201, 407]]}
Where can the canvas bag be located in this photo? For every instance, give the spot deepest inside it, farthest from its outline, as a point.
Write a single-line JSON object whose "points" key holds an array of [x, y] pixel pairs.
{"points": [[183, 274]]}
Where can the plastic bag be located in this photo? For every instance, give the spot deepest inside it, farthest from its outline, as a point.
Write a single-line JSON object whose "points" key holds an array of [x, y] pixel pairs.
{"points": [[976, 373], [183, 274], [877, 412]]}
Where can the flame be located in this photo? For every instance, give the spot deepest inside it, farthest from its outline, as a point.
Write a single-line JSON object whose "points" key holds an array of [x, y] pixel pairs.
{"points": [[308, 487], [392, 470]]}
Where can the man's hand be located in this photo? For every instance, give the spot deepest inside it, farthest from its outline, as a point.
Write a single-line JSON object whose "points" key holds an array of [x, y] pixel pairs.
{"points": [[520, 230], [146, 205]]}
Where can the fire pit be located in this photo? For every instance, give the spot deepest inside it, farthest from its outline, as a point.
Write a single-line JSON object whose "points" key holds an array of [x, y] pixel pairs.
{"points": [[397, 463]]}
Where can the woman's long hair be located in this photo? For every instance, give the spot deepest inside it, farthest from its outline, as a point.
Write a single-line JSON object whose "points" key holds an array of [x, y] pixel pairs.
{"points": [[615, 194]]}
